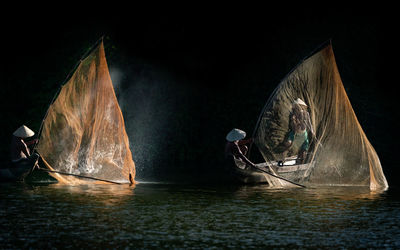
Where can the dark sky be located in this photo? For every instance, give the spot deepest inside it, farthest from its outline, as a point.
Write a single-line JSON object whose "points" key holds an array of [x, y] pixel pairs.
{"points": [[204, 51]]}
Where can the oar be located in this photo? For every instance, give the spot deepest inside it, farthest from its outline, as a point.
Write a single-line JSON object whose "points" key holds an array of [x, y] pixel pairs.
{"points": [[279, 177]]}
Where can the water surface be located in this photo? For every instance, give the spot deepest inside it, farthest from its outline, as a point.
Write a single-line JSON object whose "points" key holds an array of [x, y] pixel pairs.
{"points": [[196, 216]]}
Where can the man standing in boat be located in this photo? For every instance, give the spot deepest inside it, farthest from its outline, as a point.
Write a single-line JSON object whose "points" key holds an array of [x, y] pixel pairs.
{"points": [[299, 126], [237, 147], [20, 154]]}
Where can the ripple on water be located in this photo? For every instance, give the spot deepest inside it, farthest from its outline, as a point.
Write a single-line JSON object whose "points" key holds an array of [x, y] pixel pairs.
{"points": [[183, 216]]}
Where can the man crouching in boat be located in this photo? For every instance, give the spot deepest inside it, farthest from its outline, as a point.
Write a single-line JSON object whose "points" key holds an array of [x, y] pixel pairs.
{"points": [[20, 154], [237, 147], [299, 125]]}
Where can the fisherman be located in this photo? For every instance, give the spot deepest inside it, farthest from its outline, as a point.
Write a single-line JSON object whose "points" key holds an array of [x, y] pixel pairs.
{"points": [[237, 147], [20, 153], [299, 126]]}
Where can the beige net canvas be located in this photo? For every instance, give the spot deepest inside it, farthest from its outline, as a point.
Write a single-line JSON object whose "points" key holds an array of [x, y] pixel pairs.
{"points": [[84, 131], [339, 152]]}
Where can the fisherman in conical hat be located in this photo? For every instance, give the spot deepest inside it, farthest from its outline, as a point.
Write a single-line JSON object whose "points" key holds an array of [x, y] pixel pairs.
{"points": [[19, 144], [236, 146], [298, 101]]}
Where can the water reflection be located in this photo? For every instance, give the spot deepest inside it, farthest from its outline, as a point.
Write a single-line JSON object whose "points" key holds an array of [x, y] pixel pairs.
{"points": [[106, 194], [184, 216]]}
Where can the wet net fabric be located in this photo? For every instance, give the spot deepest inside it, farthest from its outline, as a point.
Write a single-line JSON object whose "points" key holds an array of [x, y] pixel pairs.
{"points": [[337, 150], [84, 131]]}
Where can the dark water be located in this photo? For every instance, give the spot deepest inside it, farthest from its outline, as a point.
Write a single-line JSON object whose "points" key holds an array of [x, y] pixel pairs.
{"points": [[155, 215]]}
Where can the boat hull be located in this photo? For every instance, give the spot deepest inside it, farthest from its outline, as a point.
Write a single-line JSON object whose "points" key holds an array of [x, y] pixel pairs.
{"points": [[17, 171], [291, 170]]}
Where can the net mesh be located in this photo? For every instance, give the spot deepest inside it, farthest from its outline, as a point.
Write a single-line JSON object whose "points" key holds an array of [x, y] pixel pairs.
{"points": [[84, 131], [331, 141]]}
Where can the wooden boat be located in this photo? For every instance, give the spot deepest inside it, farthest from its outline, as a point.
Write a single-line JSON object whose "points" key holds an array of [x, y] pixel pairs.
{"points": [[289, 169]]}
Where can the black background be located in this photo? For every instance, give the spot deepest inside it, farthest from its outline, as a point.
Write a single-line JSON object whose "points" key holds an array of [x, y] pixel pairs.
{"points": [[204, 69]]}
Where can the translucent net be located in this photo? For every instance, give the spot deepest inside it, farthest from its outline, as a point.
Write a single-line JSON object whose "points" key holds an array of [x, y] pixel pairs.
{"points": [[84, 131], [333, 144]]}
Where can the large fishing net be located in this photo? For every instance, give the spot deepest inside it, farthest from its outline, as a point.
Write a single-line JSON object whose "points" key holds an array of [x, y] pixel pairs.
{"points": [[309, 121], [84, 132]]}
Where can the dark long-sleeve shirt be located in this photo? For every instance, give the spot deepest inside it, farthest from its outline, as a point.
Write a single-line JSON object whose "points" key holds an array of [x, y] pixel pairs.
{"points": [[233, 149]]}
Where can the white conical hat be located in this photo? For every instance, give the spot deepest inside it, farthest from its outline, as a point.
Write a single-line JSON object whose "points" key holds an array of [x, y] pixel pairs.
{"points": [[300, 102], [23, 132], [235, 135]]}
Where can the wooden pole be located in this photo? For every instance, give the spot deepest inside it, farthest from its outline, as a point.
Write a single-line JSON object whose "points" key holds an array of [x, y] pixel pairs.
{"points": [[279, 177]]}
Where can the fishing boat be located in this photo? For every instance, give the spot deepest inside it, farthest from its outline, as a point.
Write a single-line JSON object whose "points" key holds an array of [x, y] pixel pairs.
{"points": [[12, 172], [25, 172], [332, 146]]}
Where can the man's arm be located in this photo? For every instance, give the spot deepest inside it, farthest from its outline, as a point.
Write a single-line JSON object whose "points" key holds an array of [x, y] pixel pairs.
{"points": [[247, 161], [24, 148], [239, 154]]}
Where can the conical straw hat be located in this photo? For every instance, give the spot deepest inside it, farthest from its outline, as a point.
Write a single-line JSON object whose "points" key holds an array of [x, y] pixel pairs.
{"points": [[23, 132], [235, 135], [300, 102]]}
